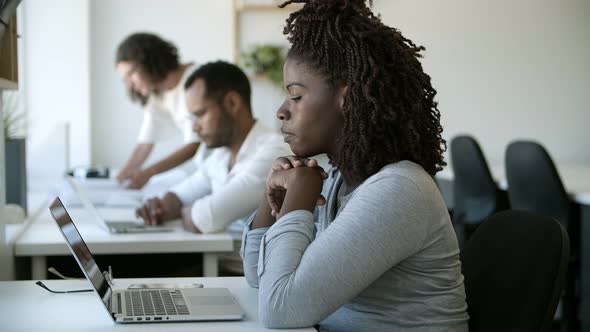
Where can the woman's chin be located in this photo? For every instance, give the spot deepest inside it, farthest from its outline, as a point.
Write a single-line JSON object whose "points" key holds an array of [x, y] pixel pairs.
{"points": [[296, 151], [301, 152]]}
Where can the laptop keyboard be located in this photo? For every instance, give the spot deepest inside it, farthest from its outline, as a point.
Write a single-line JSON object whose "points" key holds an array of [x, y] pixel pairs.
{"points": [[155, 302]]}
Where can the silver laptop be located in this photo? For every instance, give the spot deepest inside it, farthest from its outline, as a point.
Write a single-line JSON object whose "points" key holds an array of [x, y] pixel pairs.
{"points": [[112, 226], [146, 305]]}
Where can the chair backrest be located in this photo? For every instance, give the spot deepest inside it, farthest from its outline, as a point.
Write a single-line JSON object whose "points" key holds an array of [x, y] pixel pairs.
{"points": [[534, 183], [514, 267], [474, 190]]}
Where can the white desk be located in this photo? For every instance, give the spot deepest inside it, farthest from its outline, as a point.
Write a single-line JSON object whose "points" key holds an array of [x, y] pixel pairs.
{"points": [[43, 239], [25, 306]]}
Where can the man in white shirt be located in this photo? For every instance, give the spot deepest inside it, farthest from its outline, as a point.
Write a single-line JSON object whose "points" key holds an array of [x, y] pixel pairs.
{"points": [[155, 78], [229, 184]]}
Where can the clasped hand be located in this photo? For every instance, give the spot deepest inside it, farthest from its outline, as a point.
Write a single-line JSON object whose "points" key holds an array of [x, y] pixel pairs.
{"points": [[292, 172]]}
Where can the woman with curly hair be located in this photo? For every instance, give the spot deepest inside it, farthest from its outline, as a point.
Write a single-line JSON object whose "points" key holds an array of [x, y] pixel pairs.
{"points": [[368, 245], [155, 78]]}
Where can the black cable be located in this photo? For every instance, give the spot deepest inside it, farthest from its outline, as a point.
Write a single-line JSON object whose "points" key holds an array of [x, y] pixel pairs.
{"points": [[42, 285], [4, 23]]}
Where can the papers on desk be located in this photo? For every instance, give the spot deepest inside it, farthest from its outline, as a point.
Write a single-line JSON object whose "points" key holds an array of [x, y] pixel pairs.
{"points": [[100, 184], [110, 193], [101, 192], [123, 198]]}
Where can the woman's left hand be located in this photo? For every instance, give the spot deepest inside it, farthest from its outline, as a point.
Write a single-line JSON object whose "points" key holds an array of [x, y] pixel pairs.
{"points": [[306, 182]]}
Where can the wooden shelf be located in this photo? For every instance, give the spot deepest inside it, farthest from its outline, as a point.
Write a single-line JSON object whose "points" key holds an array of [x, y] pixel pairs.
{"points": [[8, 85], [243, 8], [259, 78], [256, 77], [239, 8], [8, 57]]}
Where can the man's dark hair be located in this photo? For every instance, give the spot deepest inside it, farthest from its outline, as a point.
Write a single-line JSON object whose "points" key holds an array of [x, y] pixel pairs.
{"points": [[221, 77], [155, 57], [389, 109]]}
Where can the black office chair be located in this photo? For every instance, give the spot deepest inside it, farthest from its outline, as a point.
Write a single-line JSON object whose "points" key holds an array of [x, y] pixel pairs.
{"points": [[476, 195], [514, 267], [534, 185]]}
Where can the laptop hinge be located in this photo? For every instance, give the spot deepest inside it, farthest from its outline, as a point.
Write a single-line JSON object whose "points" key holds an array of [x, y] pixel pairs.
{"points": [[115, 303]]}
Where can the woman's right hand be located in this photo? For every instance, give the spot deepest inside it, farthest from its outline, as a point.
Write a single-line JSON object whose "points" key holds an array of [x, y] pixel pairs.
{"points": [[275, 194]]}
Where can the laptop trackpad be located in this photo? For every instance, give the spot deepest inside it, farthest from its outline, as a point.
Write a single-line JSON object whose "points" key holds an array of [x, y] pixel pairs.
{"points": [[199, 300]]}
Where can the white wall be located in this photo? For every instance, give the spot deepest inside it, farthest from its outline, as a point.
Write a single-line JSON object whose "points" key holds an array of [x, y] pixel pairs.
{"points": [[506, 69], [503, 70], [202, 31], [56, 81]]}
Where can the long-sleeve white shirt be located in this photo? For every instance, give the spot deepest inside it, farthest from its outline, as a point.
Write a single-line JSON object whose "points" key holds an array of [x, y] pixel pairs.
{"points": [[167, 113], [219, 196]]}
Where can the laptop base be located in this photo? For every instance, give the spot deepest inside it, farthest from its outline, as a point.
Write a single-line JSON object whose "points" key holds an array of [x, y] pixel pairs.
{"points": [[124, 227]]}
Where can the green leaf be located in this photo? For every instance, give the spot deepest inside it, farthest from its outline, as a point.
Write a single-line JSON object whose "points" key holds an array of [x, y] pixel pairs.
{"points": [[266, 60]]}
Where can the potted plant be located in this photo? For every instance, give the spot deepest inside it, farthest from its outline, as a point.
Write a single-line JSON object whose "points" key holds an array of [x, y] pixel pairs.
{"points": [[15, 148], [266, 61]]}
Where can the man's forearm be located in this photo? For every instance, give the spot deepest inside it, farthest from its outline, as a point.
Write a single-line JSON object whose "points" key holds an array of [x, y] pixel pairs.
{"points": [[174, 159], [138, 157]]}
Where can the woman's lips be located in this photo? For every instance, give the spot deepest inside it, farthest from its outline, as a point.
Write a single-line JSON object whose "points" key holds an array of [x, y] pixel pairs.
{"points": [[286, 135]]}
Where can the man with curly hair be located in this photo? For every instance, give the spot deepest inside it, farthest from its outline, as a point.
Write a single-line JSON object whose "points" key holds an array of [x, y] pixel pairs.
{"points": [[155, 78], [368, 245]]}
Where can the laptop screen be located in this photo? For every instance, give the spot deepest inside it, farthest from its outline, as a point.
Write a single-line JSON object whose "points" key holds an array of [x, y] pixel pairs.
{"points": [[86, 202], [80, 251]]}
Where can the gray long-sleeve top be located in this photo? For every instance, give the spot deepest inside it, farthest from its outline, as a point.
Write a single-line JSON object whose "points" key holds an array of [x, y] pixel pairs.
{"points": [[383, 257]]}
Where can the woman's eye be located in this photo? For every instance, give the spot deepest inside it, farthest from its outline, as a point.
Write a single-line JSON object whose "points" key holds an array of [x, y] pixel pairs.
{"points": [[296, 98]]}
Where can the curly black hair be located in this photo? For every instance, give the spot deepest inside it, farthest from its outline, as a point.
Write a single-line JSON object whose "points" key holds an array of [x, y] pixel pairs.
{"points": [[155, 57], [389, 109]]}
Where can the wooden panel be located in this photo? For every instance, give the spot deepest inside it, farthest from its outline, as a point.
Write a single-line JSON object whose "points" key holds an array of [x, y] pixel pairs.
{"points": [[241, 7], [8, 55]]}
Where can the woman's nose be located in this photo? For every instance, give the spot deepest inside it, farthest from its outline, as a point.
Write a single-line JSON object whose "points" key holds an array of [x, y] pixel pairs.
{"points": [[283, 113]]}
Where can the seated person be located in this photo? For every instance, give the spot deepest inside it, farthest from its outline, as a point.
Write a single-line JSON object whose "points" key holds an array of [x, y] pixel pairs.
{"points": [[155, 79], [369, 245], [230, 182]]}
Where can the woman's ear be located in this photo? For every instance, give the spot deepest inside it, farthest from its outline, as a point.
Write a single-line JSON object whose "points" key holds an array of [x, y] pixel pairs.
{"points": [[342, 91]]}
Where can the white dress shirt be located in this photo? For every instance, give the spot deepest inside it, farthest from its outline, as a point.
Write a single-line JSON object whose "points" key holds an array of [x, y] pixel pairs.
{"points": [[167, 113], [219, 196]]}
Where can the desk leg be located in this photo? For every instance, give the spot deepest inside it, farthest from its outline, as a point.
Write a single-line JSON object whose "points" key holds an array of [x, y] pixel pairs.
{"points": [[210, 264], [39, 267], [584, 306]]}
